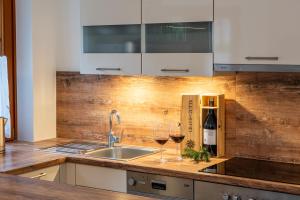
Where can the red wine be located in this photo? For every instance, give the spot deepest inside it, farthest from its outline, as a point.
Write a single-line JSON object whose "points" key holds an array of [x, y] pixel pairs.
{"points": [[177, 138], [161, 141], [210, 130]]}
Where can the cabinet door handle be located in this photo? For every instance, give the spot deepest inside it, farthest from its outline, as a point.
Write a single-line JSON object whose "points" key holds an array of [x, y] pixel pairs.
{"points": [[108, 69], [175, 70], [261, 58], [39, 176]]}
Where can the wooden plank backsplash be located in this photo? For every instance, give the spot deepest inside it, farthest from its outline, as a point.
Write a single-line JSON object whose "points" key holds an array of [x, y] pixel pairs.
{"points": [[262, 109]]}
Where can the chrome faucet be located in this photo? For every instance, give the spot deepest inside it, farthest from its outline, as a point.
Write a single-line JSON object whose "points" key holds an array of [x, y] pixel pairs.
{"points": [[112, 139]]}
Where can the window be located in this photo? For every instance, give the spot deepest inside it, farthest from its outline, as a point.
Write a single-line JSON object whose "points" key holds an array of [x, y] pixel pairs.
{"points": [[4, 95], [1, 28], [7, 65]]}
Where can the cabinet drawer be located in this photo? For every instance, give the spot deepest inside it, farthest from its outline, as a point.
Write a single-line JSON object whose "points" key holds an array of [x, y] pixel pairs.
{"points": [[101, 177], [164, 11], [47, 174], [112, 39], [178, 64], [111, 64]]}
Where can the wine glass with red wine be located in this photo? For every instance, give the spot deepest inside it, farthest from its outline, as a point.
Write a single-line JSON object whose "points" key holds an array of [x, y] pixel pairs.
{"points": [[161, 136], [177, 136]]}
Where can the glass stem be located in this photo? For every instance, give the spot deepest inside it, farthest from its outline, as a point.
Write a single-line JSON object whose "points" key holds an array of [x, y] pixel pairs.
{"points": [[161, 152], [177, 149]]}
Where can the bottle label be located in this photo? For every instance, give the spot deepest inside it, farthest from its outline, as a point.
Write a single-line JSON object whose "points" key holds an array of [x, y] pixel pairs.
{"points": [[210, 137]]}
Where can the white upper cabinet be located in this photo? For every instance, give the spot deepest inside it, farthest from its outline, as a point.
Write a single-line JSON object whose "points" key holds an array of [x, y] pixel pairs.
{"points": [[110, 12], [111, 37], [178, 37], [175, 38], [178, 49], [166, 11], [257, 32]]}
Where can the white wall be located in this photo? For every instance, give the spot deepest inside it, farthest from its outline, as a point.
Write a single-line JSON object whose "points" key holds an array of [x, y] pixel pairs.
{"points": [[44, 20], [36, 68], [24, 69], [48, 40]]}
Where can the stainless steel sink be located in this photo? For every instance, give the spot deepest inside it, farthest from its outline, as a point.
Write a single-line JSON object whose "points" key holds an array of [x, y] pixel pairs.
{"points": [[124, 153]]}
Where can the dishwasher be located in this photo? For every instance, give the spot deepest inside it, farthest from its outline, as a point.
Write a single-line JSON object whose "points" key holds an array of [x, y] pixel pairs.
{"points": [[161, 187]]}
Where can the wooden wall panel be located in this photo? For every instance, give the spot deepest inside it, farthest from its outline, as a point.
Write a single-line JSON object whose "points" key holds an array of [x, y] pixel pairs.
{"points": [[262, 111], [268, 116], [84, 103]]}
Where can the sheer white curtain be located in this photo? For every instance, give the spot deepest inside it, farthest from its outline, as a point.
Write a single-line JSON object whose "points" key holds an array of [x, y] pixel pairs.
{"points": [[4, 94]]}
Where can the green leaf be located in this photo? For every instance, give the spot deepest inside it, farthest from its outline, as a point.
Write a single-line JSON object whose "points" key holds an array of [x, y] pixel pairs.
{"points": [[201, 155]]}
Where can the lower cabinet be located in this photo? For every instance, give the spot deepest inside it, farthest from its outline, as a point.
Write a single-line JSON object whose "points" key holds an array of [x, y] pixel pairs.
{"points": [[83, 175], [67, 173], [47, 174], [101, 177]]}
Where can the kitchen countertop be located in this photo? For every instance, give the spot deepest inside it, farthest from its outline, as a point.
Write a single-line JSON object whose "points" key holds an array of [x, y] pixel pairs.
{"points": [[23, 157]]}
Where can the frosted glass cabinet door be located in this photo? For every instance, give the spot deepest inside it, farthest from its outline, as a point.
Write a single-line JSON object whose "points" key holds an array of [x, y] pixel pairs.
{"points": [[112, 39], [188, 37], [167, 11], [110, 12], [257, 32]]}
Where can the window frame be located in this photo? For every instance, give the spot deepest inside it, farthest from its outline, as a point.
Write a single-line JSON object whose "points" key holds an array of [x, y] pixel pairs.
{"points": [[8, 48]]}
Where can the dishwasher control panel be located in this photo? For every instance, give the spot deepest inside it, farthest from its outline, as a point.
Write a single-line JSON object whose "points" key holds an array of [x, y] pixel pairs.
{"points": [[164, 187]]}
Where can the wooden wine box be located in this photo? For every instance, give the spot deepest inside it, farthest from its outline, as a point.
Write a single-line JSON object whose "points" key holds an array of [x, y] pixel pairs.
{"points": [[219, 108], [190, 118], [194, 110]]}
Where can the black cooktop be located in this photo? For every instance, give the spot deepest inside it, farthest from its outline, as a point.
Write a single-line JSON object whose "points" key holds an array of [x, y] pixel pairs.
{"points": [[258, 169]]}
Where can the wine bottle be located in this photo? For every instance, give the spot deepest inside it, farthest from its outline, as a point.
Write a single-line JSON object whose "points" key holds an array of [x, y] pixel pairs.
{"points": [[210, 130]]}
